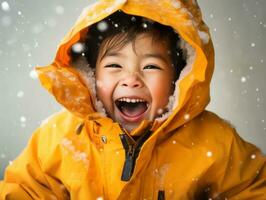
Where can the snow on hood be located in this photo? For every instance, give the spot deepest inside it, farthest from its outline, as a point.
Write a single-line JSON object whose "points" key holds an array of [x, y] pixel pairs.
{"points": [[76, 91]]}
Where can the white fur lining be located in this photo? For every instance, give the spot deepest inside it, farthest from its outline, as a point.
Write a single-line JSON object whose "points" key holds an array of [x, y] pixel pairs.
{"points": [[88, 76], [189, 54]]}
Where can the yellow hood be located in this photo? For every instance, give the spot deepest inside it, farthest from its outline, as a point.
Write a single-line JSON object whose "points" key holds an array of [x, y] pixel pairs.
{"points": [[72, 157], [191, 95]]}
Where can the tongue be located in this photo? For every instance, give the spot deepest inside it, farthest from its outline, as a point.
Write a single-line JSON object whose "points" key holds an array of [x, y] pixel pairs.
{"points": [[133, 109]]}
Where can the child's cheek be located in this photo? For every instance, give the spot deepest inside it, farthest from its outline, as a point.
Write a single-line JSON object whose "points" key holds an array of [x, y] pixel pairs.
{"points": [[104, 92], [104, 88], [160, 91]]}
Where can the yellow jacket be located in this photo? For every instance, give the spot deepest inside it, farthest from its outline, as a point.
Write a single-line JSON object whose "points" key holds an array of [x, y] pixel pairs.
{"points": [[81, 154]]}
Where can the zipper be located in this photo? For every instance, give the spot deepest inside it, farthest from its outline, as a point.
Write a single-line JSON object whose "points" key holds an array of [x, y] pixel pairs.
{"points": [[161, 195], [132, 151], [129, 161]]}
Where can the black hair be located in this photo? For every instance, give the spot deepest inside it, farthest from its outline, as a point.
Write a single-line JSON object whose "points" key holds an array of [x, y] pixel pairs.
{"points": [[124, 28]]}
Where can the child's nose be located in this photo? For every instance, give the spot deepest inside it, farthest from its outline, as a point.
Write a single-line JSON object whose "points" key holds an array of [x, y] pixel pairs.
{"points": [[132, 80]]}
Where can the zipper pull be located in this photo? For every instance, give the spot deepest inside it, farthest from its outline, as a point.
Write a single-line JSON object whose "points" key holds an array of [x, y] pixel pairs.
{"points": [[129, 162], [161, 195], [128, 166]]}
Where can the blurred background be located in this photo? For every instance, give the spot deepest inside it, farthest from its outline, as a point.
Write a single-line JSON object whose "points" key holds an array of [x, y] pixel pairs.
{"points": [[31, 30]]}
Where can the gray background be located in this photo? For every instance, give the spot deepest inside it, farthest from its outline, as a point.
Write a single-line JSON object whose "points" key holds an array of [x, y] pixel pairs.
{"points": [[31, 30]]}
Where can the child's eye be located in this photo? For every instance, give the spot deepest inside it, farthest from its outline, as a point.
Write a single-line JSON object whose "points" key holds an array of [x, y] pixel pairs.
{"points": [[151, 67], [112, 66]]}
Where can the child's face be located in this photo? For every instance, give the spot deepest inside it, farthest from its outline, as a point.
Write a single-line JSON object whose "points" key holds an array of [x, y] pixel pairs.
{"points": [[139, 71]]}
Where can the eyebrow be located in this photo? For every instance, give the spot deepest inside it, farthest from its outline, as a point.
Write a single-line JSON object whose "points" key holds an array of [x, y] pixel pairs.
{"points": [[147, 55], [111, 53], [156, 55]]}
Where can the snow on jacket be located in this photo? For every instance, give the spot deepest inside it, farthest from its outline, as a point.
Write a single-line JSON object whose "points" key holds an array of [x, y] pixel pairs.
{"points": [[189, 154]]}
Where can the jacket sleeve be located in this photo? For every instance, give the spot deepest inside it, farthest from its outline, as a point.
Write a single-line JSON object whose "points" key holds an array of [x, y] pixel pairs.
{"points": [[244, 173], [24, 179]]}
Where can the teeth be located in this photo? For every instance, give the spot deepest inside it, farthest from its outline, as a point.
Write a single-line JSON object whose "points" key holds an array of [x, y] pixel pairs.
{"points": [[131, 100]]}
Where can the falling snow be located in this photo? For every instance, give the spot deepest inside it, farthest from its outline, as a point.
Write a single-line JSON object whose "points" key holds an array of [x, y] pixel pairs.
{"points": [[20, 94], [3, 156], [23, 119], [33, 74], [204, 37], [176, 4], [102, 26], [5, 6], [243, 79], [77, 155], [29, 38], [187, 116], [78, 47], [59, 10], [160, 111], [144, 25], [209, 154]]}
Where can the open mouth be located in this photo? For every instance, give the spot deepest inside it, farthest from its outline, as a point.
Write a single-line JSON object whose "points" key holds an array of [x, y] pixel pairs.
{"points": [[132, 109]]}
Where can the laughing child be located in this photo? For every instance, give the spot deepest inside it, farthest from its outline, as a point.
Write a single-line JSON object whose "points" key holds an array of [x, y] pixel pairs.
{"points": [[134, 78]]}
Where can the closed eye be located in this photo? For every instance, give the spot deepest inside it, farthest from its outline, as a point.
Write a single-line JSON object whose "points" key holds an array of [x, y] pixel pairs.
{"points": [[152, 67], [112, 66]]}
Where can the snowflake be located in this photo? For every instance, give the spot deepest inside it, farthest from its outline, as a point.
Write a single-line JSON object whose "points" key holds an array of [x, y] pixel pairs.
{"points": [[209, 154], [160, 111], [204, 37], [243, 79], [102, 26], [23, 119], [20, 94], [144, 25], [133, 19], [187, 116], [5, 6], [3, 156], [33, 74], [59, 10], [78, 47], [176, 4]]}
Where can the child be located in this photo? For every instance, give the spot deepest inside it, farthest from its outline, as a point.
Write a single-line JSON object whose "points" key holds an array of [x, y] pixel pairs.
{"points": [[134, 78]]}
